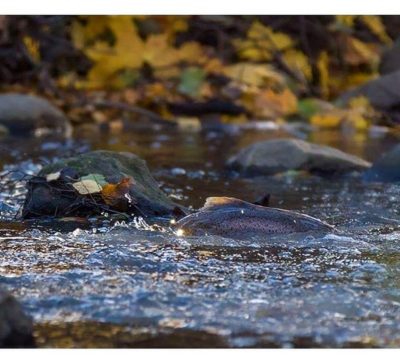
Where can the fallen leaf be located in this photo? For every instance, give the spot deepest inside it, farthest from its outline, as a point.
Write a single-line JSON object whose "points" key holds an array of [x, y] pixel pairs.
{"points": [[87, 187], [298, 63], [254, 74], [323, 69], [117, 195], [356, 52], [33, 48], [374, 23], [343, 22], [116, 65], [357, 115], [274, 104], [327, 120], [308, 107], [191, 81], [189, 123], [262, 43], [53, 176], [99, 178]]}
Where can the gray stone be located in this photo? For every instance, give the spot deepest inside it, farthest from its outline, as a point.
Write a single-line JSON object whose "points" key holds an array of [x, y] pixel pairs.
{"points": [[16, 327], [280, 155], [386, 168], [149, 201], [383, 92], [31, 115]]}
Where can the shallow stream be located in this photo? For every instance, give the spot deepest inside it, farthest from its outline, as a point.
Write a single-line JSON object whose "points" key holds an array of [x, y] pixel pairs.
{"points": [[130, 285]]}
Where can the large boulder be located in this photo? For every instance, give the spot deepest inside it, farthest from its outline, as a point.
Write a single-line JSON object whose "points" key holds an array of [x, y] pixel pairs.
{"points": [[15, 326], [31, 115], [383, 93], [386, 168], [280, 155], [52, 192]]}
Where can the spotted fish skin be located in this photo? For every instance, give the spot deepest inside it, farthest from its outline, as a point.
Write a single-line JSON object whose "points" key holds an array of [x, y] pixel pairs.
{"points": [[234, 218]]}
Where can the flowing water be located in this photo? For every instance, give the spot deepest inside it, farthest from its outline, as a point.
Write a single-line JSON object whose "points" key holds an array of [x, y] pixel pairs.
{"points": [[131, 285]]}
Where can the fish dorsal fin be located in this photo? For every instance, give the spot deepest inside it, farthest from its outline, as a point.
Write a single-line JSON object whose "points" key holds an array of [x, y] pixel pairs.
{"points": [[224, 202]]}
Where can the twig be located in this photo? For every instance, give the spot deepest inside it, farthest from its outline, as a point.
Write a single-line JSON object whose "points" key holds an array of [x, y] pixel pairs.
{"points": [[135, 109]]}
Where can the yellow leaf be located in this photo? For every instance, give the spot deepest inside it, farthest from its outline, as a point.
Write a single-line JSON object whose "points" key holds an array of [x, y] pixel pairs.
{"points": [[327, 120], [179, 23], [126, 53], [254, 74], [356, 52], [157, 51], [189, 123], [356, 120], [356, 115], [191, 52], [345, 21], [78, 34], [262, 43], [94, 26], [359, 102], [374, 23], [323, 69], [298, 62], [247, 49], [32, 46], [354, 79], [114, 65], [156, 90], [276, 40], [214, 65]]}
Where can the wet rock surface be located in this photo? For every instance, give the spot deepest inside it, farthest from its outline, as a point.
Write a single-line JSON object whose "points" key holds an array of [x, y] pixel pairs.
{"points": [[383, 92], [27, 115], [16, 326], [59, 198], [385, 168], [281, 155]]}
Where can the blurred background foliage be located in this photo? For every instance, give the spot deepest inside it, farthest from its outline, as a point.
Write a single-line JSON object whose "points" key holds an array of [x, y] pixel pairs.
{"points": [[186, 68]]}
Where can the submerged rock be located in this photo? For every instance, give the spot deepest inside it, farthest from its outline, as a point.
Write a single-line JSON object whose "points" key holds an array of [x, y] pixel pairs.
{"points": [[52, 192], [386, 168], [31, 115], [280, 155], [15, 326], [233, 218]]}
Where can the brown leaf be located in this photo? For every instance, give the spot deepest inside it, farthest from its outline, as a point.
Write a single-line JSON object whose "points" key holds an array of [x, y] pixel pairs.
{"points": [[271, 104], [117, 195]]}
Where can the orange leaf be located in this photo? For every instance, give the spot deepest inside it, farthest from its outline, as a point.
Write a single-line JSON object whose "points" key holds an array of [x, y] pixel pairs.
{"points": [[117, 195], [271, 104]]}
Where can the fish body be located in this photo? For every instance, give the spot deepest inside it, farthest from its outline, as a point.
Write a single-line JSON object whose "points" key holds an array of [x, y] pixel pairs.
{"points": [[235, 218]]}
